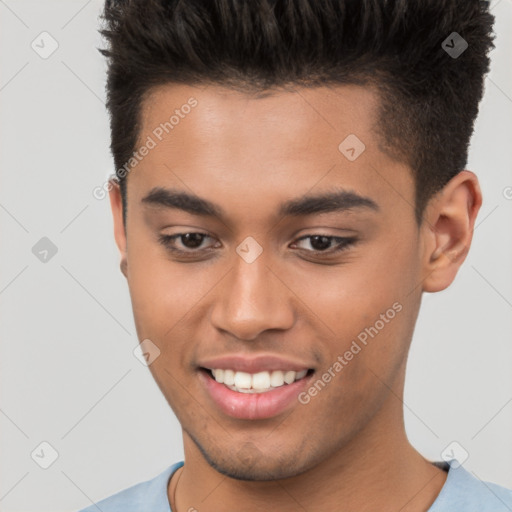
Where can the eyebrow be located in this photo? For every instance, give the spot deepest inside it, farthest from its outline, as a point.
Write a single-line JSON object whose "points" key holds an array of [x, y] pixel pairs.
{"points": [[338, 200]]}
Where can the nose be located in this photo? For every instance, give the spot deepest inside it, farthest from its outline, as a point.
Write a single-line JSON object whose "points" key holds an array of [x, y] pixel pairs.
{"points": [[251, 300]]}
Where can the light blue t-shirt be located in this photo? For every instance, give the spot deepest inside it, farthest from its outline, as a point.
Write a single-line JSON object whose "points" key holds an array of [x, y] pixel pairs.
{"points": [[462, 492]]}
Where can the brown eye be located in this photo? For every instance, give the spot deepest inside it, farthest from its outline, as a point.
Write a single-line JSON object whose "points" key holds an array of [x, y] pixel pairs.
{"points": [[323, 243], [180, 243], [191, 240]]}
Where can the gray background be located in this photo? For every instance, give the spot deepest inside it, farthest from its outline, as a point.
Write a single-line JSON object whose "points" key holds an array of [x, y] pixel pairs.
{"points": [[68, 374]]}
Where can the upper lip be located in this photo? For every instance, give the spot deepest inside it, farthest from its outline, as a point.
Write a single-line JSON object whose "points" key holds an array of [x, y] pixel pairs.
{"points": [[253, 364]]}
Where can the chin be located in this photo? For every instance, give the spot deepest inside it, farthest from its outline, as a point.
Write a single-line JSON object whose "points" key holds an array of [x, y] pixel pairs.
{"points": [[248, 463], [260, 472]]}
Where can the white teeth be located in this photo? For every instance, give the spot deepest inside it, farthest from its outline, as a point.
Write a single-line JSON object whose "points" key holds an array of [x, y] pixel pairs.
{"points": [[243, 380], [258, 382], [261, 380], [289, 377], [229, 377], [276, 379]]}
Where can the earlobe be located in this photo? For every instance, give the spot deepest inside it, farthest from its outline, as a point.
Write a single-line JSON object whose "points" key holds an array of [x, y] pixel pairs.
{"points": [[448, 230], [124, 266], [116, 205]]}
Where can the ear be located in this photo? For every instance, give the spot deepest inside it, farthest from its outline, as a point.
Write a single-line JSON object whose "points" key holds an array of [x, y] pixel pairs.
{"points": [[116, 204], [447, 230]]}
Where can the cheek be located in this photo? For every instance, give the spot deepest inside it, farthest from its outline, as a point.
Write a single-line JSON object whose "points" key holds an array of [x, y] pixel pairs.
{"points": [[348, 297], [153, 285], [164, 293], [385, 309], [367, 301]]}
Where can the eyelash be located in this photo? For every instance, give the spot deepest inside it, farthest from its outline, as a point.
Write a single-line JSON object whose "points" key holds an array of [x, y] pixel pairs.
{"points": [[344, 243]]}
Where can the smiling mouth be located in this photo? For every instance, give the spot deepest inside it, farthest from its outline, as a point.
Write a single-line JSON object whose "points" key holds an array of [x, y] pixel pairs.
{"points": [[260, 382]]}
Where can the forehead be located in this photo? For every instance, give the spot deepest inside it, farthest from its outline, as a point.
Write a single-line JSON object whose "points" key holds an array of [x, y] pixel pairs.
{"points": [[324, 113], [216, 141]]}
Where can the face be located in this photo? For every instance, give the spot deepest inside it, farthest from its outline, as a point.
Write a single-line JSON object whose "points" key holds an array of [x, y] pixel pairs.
{"points": [[254, 275]]}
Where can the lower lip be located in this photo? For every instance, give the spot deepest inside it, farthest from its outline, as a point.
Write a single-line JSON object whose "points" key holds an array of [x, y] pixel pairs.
{"points": [[253, 406]]}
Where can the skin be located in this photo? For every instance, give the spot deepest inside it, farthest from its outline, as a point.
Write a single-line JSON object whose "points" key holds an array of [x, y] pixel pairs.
{"points": [[248, 155]]}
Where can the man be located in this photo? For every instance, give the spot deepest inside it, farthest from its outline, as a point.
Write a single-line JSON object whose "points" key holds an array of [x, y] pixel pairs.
{"points": [[290, 179]]}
